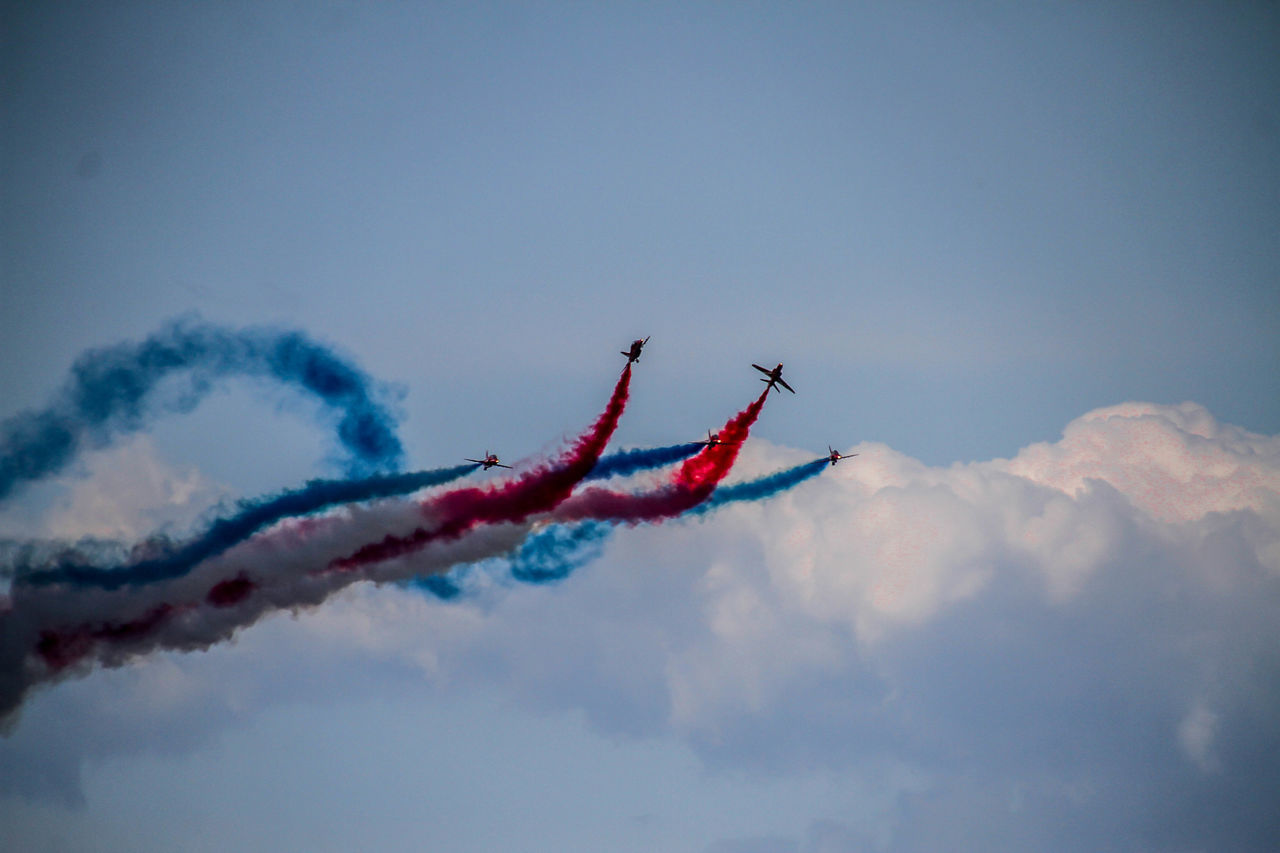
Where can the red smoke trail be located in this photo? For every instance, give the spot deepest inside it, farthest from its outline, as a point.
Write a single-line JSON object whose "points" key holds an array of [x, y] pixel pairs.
{"points": [[537, 491], [461, 510], [692, 483], [60, 649]]}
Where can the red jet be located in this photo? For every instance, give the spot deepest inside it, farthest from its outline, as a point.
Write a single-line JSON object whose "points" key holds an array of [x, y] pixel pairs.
{"points": [[490, 460], [836, 457], [636, 346], [775, 376], [713, 439]]}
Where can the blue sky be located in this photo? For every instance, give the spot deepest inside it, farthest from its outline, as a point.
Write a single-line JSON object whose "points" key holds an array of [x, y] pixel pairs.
{"points": [[962, 227]]}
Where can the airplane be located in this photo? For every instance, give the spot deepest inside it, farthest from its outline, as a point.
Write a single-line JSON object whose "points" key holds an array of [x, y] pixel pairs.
{"points": [[490, 460], [636, 346], [713, 439], [836, 457], [775, 376]]}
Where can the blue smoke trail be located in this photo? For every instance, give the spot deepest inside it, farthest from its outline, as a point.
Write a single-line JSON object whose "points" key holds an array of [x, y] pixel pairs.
{"points": [[75, 569], [110, 391], [226, 532], [547, 556], [558, 550], [442, 587], [534, 561], [757, 490], [627, 462]]}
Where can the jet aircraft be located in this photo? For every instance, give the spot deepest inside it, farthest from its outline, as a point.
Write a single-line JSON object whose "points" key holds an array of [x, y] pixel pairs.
{"points": [[636, 346], [775, 376], [713, 439], [490, 460], [836, 457]]}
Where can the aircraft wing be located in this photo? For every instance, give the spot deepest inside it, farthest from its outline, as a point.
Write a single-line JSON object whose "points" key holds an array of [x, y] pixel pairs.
{"points": [[763, 370], [783, 383]]}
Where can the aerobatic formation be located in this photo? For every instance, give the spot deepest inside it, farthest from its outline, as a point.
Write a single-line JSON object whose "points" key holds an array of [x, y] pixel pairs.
{"points": [[73, 605]]}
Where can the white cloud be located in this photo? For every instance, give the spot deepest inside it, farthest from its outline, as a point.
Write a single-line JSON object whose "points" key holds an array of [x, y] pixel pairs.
{"points": [[1052, 622], [125, 492], [1080, 636], [1176, 463], [1195, 736]]}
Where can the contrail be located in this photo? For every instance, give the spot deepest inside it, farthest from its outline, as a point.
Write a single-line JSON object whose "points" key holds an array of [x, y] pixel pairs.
{"points": [[113, 390]]}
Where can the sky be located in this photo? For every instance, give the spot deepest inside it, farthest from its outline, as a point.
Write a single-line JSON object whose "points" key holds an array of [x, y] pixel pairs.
{"points": [[1021, 258]]}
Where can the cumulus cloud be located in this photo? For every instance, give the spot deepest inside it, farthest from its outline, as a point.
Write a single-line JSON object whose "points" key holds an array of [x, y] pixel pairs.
{"points": [[1071, 649], [127, 491], [1175, 463], [1081, 636]]}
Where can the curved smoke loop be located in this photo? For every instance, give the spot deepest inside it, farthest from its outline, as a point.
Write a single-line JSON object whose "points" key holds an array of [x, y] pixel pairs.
{"points": [[67, 612], [113, 390]]}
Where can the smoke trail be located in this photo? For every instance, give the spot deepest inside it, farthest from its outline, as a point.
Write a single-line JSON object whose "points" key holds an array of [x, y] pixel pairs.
{"points": [[536, 491], [692, 483], [69, 565], [253, 516], [65, 631], [53, 631], [627, 462], [442, 587], [111, 390], [764, 487], [534, 561], [48, 631], [557, 550]]}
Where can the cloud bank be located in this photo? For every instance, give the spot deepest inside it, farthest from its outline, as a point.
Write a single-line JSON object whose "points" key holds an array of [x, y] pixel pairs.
{"points": [[1072, 649], [1075, 648]]}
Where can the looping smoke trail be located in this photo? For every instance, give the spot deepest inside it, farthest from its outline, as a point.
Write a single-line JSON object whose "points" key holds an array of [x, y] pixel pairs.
{"points": [[47, 631], [536, 491], [111, 391], [226, 532], [51, 630]]}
